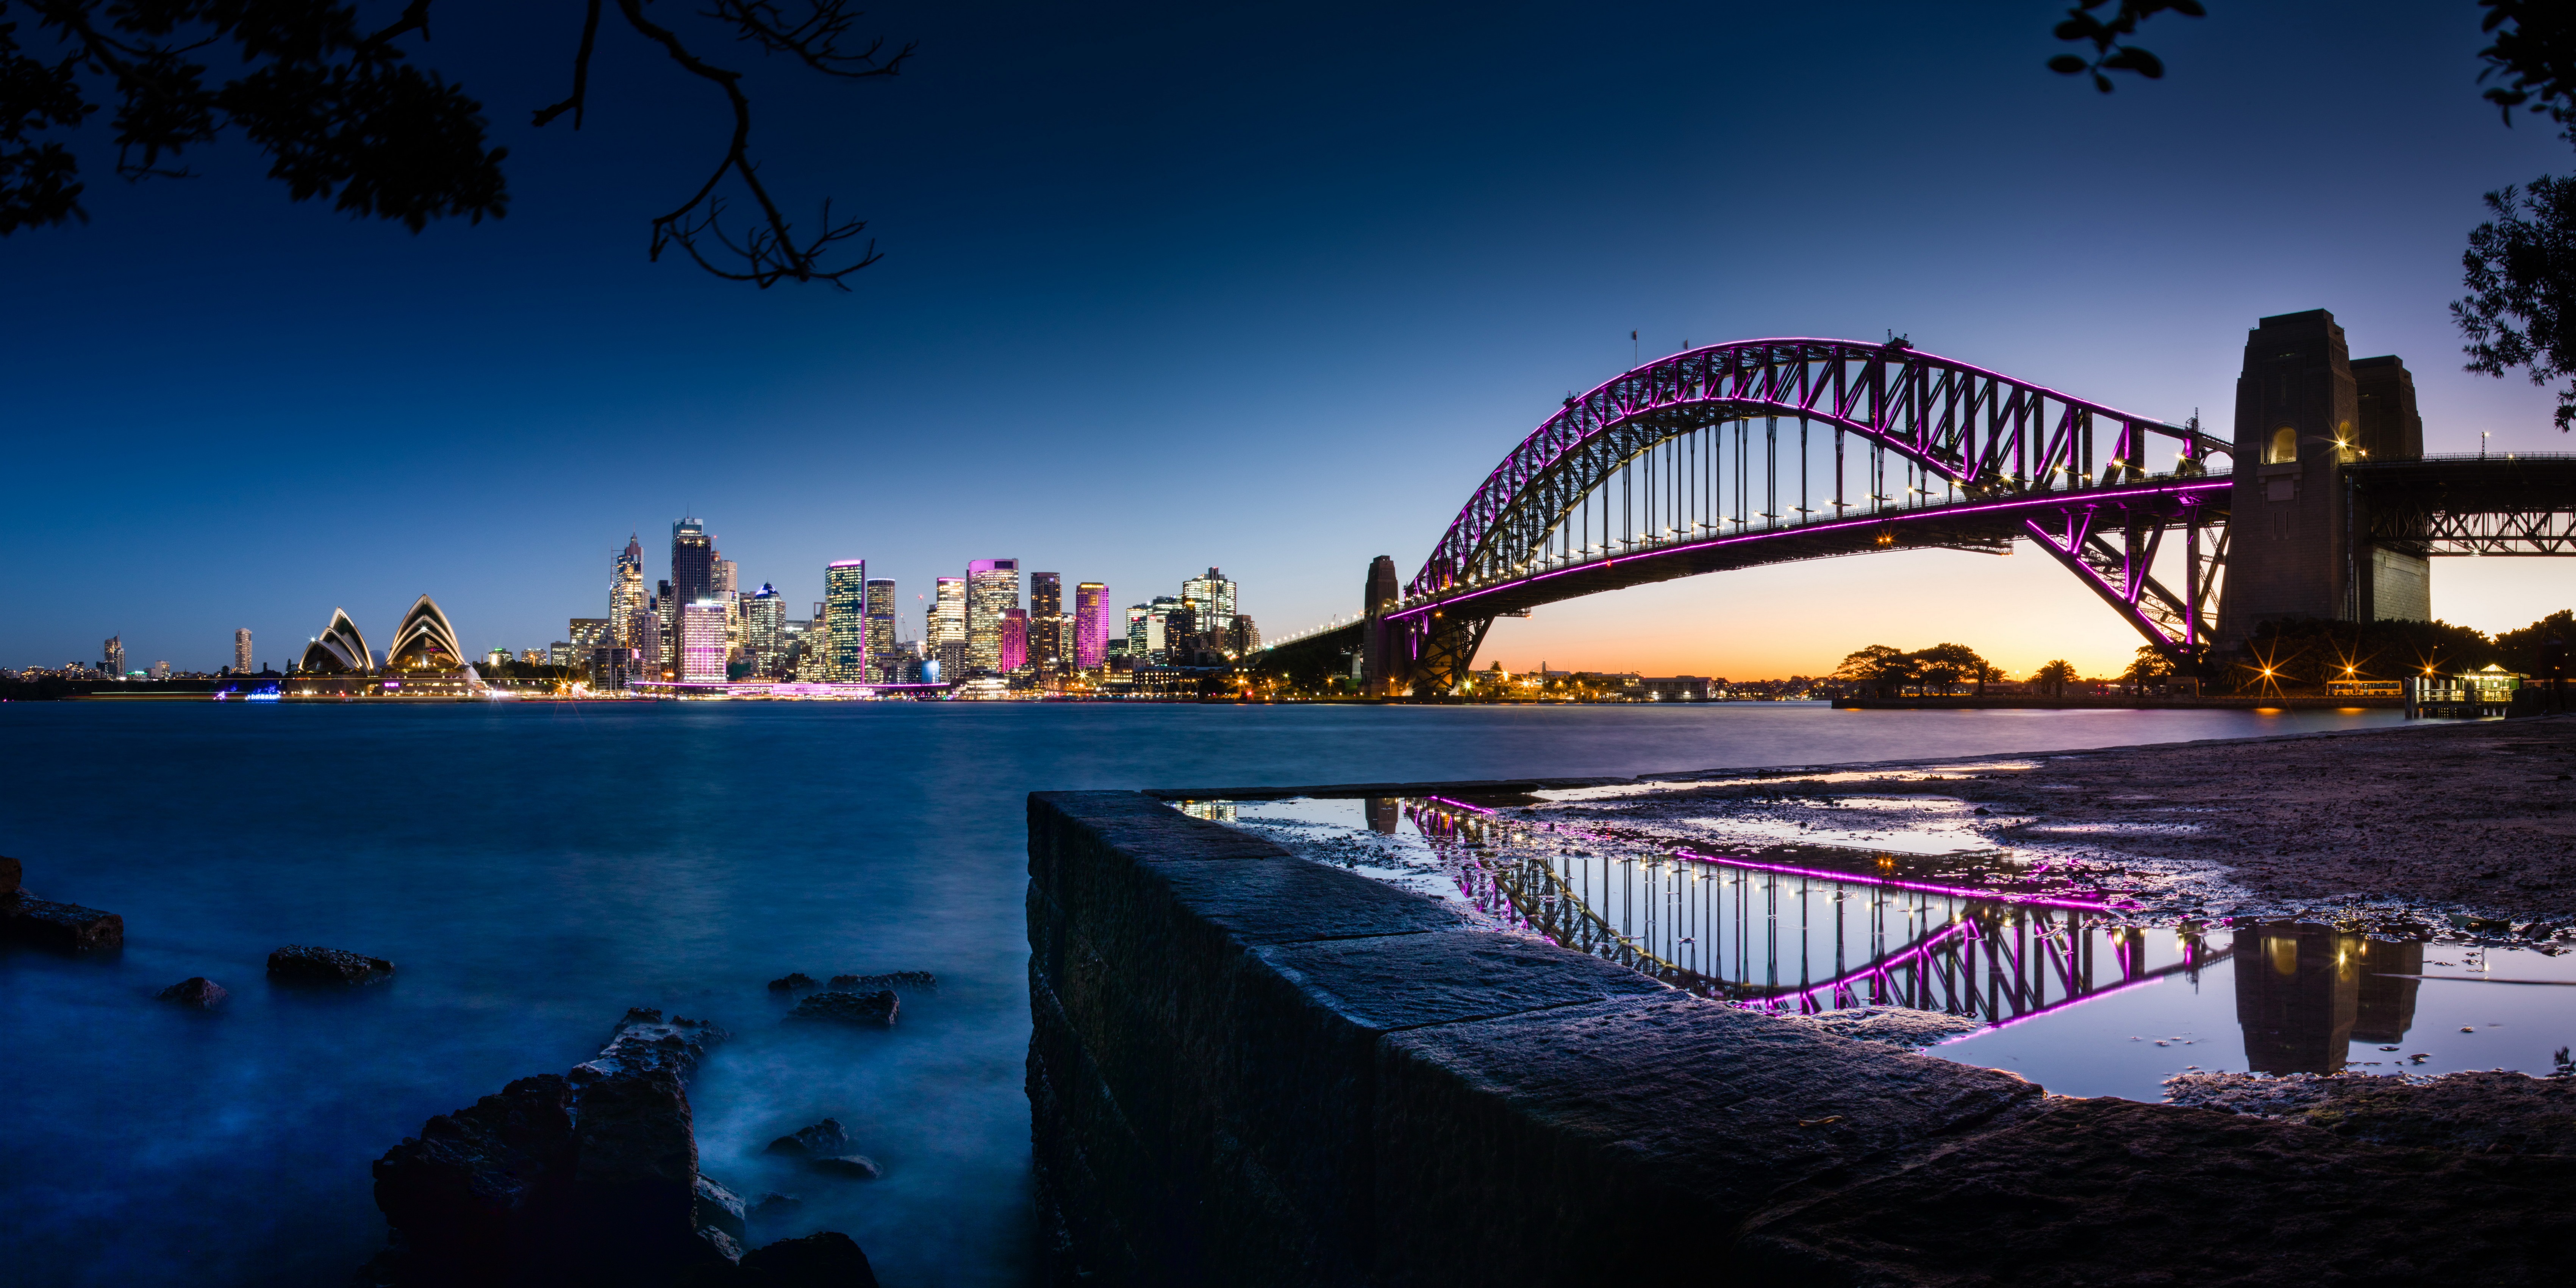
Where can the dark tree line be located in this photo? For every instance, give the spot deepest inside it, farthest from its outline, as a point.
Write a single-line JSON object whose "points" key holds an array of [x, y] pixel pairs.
{"points": [[347, 114]]}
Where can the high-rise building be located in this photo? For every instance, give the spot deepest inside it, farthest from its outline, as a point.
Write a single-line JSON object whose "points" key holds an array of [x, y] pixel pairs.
{"points": [[112, 656], [160, 670], [992, 588], [241, 650], [1014, 650], [947, 626], [1046, 594], [1246, 637], [721, 573], [1213, 597], [845, 619], [883, 665], [666, 628], [1047, 643], [764, 630], [589, 634], [702, 642], [1090, 625], [626, 596], [693, 562]]}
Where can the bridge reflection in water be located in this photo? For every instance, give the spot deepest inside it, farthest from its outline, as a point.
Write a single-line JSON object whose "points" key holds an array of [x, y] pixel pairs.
{"points": [[1791, 937]]}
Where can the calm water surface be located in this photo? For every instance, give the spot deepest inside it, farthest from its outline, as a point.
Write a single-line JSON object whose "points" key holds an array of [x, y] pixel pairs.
{"points": [[535, 870]]}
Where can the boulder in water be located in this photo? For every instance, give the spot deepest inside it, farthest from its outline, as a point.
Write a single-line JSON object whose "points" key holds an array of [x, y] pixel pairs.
{"points": [[197, 991], [892, 979], [829, 1258], [304, 964], [644, 1041], [11, 871], [64, 927], [822, 1140], [877, 1008], [485, 1193], [791, 981]]}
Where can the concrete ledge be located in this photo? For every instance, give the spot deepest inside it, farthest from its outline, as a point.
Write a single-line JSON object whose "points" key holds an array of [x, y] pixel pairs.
{"points": [[1251, 1069]]}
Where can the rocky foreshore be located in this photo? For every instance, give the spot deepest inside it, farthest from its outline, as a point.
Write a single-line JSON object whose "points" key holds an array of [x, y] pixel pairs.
{"points": [[586, 1177]]}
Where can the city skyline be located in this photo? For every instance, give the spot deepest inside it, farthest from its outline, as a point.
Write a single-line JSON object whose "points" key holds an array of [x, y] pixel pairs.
{"points": [[1394, 365]]}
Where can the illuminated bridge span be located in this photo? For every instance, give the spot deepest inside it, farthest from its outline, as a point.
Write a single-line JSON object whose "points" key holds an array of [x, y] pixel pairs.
{"points": [[1764, 451], [1800, 940], [2321, 505]]}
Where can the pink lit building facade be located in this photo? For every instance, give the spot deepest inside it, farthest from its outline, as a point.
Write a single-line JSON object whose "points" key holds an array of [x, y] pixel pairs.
{"points": [[1090, 625], [702, 642], [1015, 639]]}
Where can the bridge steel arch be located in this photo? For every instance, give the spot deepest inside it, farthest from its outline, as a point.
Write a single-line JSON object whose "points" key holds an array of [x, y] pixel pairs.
{"points": [[2094, 486]]}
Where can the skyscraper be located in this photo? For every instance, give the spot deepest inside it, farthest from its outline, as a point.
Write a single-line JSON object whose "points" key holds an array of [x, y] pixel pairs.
{"points": [[693, 562], [1015, 640], [1047, 633], [702, 642], [882, 663], [764, 630], [992, 588], [241, 650], [1046, 594], [665, 628], [1090, 625], [626, 596], [947, 628], [721, 573], [1213, 597], [112, 655], [845, 619]]}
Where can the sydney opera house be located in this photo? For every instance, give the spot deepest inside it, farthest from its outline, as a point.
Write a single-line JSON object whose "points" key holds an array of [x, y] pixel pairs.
{"points": [[424, 662]]}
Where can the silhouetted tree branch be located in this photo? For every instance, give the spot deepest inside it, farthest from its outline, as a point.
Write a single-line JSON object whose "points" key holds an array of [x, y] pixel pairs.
{"points": [[345, 116], [2109, 38]]}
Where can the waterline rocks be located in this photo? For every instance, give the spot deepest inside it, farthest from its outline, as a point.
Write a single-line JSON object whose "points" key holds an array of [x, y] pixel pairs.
{"points": [[197, 991], [814, 1261], [877, 1008], [11, 872], [792, 981], [916, 979], [305, 964], [826, 1147], [63, 927], [584, 1178]]}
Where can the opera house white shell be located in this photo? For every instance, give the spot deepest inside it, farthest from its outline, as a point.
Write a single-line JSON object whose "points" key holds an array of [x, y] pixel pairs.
{"points": [[339, 650], [425, 641]]}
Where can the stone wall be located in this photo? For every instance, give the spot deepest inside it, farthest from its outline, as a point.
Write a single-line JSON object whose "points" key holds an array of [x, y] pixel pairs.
{"points": [[1251, 1069]]}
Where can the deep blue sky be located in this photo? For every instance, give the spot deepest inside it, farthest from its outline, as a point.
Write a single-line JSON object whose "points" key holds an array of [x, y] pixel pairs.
{"points": [[1270, 288]]}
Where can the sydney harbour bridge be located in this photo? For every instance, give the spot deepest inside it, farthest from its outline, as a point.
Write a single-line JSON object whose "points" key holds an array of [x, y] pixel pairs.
{"points": [[2319, 504]]}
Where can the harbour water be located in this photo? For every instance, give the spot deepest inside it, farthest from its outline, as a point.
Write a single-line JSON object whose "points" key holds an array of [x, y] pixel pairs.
{"points": [[536, 870]]}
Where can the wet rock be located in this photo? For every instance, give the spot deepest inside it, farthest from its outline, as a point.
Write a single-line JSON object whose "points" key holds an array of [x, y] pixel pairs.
{"points": [[197, 991], [791, 981], [822, 1140], [829, 1258], [484, 1193], [303, 964], [849, 1008], [644, 1042], [10, 872], [720, 1209], [63, 927], [635, 1180], [775, 1207], [856, 1167], [1895, 1025], [892, 979], [2473, 1112]]}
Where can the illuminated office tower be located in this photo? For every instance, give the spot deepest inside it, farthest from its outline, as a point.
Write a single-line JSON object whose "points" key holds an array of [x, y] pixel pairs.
{"points": [[992, 588], [721, 574], [1213, 597], [947, 628], [626, 596], [693, 562], [882, 663], [112, 656], [589, 635], [241, 650], [764, 630], [1245, 638], [845, 620], [1015, 640], [1046, 619], [665, 626], [702, 642], [1090, 625]]}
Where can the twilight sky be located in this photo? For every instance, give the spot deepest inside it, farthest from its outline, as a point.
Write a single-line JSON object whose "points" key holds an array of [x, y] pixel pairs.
{"points": [[1270, 288]]}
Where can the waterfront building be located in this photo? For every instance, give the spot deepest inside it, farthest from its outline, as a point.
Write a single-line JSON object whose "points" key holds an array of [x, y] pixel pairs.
{"points": [[1014, 651], [702, 642], [627, 597], [1244, 636], [992, 588], [883, 662], [339, 650], [1046, 594], [241, 650], [1047, 647], [1213, 597], [764, 630], [726, 595], [693, 562], [1090, 625], [425, 641], [845, 619], [947, 625], [160, 670], [589, 634], [663, 626], [112, 655]]}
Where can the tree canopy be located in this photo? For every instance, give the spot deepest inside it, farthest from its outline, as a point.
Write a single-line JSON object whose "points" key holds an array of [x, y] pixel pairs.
{"points": [[347, 115]]}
